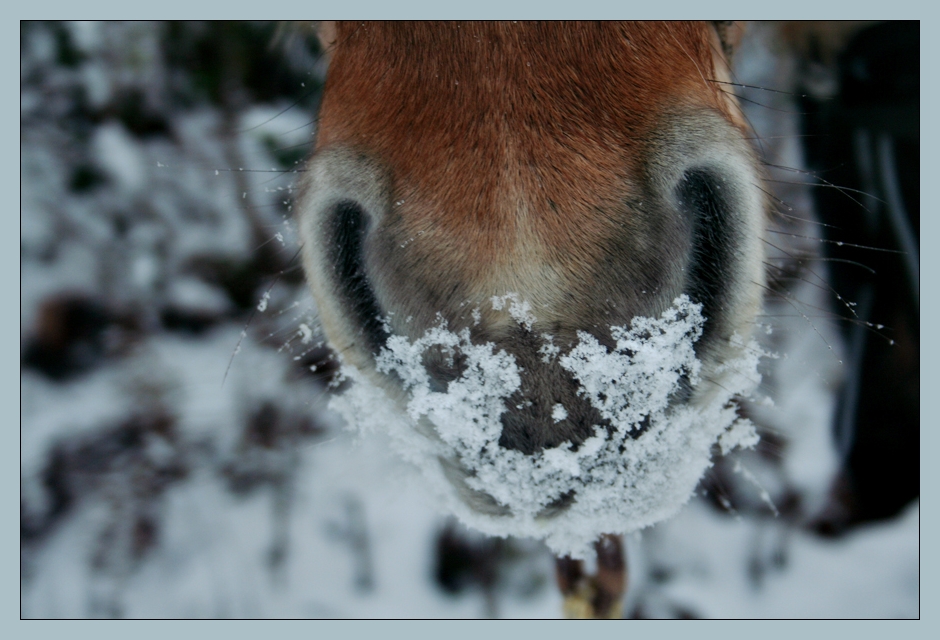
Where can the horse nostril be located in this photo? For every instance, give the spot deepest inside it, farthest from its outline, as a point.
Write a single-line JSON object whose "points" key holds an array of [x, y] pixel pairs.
{"points": [[708, 197], [348, 228]]}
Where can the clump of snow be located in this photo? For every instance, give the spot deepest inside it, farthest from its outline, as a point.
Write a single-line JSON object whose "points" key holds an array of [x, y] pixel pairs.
{"points": [[306, 333], [640, 471], [639, 376], [263, 304], [520, 310], [548, 350]]}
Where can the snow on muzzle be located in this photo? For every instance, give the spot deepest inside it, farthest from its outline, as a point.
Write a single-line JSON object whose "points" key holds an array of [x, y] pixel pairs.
{"points": [[636, 465]]}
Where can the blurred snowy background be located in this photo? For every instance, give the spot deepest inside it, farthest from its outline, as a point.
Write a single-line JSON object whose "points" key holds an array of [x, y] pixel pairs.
{"points": [[177, 457]]}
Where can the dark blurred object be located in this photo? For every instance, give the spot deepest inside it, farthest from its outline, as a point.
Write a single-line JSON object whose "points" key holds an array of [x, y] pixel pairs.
{"points": [[239, 61], [865, 141], [69, 336], [465, 561]]}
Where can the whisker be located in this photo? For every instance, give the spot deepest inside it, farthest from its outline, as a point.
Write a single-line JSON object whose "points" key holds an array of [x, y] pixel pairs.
{"points": [[824, 286], [829, 316], [757, 384], [839, 243], [296, 146], [270, 180], [721, 492], [789, 301], [781, 294], [765, 106], [751, 86], [279, 171], [824, 259], [792, 135], [305, 95], [828, 185], [843, 190], [292, 326], [798, 260], [283, 111], [784, 277], [790, 208], [757, 138], [251, 317]]}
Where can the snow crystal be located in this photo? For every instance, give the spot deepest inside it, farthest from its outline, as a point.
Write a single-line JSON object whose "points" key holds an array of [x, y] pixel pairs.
{"points": [[263, 305], [750, 477], [520, 310], [637, 472], [548, 350], [306, 333]]}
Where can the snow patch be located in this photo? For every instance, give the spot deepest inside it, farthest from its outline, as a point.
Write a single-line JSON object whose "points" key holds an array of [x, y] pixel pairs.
{"points": [[117, 152], [191, 293], [637, 473]]}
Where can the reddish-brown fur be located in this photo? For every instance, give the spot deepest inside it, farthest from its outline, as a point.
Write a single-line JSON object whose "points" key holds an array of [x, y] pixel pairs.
{"points": [[541, 159], [483, 141]]}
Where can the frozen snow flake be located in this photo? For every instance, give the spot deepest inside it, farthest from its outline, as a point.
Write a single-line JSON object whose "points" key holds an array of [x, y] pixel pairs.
{"points": [[637, 470], [520, 310], [740, 435], [548, 350], [263, 304], [761, 491], [306, 334]]}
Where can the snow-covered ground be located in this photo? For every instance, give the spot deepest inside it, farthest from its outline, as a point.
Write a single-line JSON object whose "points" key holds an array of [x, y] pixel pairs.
{"points": [[178, 459]]}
